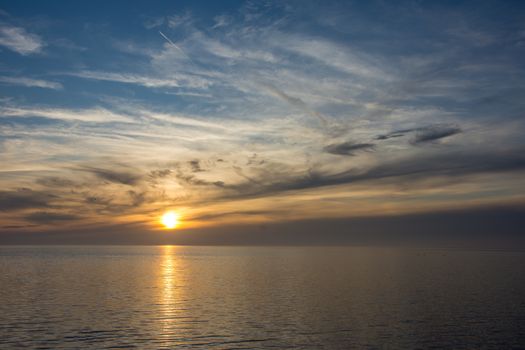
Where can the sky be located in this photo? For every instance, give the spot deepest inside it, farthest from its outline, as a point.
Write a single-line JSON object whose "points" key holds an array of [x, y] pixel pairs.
{"points": [[317, 121]]}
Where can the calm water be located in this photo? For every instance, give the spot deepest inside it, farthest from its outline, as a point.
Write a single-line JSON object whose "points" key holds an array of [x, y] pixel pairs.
{"points": [[251, 298]]}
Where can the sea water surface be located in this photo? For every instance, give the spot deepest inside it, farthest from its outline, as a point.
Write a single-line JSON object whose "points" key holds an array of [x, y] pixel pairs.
{"points": [[166, 297]]}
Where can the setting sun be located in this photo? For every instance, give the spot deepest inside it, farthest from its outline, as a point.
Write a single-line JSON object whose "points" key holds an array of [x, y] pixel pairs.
{"points": [[170, 219]]}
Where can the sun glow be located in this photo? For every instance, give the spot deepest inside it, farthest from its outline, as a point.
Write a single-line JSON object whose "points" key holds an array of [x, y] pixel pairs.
{"points": [[170, 219]]}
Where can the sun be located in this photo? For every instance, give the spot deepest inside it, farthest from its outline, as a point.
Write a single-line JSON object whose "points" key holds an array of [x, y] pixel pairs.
{"points": [[170, 219]]}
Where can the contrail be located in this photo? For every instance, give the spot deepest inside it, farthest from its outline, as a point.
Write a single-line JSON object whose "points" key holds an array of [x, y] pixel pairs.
{"points": [[175, 46], [168, 39]]}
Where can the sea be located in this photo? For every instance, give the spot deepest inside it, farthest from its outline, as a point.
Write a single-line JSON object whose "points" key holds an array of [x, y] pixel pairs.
{"points": [[196, 297]]}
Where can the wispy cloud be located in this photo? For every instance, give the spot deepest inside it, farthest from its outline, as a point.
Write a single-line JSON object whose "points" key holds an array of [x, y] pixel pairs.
{"points": [[29, 82], [19, 40], [338, 57], [296, 102], [154, 22], [221, 21], [176, 80], [179, 20], [96, 115]]}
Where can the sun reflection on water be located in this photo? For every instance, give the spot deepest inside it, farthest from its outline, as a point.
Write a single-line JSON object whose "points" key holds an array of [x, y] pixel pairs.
{"points": [[172, 287]]}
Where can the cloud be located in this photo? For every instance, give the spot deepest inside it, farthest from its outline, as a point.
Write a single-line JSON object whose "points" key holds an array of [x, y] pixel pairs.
{"points": [[348, 148], [466, 228], [221, 21], [137, 198], [398, 171], [153, 22], [472, 227], [195, 165], [393, 134], [126, 110], [339, 57], [24, 198], [424, 134], [28, 82], [183, 19], [434, 133], [20, 41], [150, 81], [116, 176], [17, 226], [444, 164], [295, 102], [55, 182], [191, 179], [97, 200], [96, 115], [241, 213], [159, 174], [49, 218]]}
